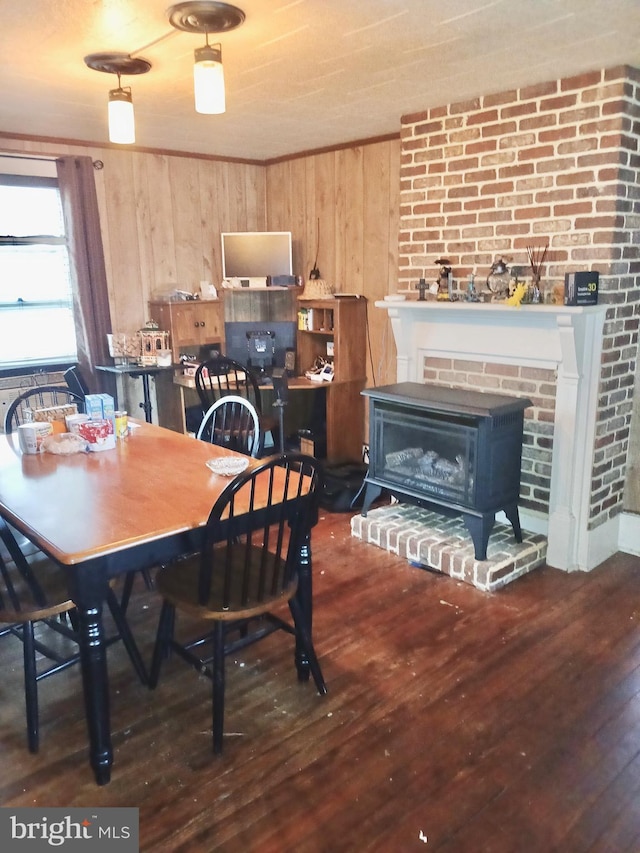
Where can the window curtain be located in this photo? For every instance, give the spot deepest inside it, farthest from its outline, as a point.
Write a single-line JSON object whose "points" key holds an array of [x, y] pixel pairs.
{"points": [[89, 279]]}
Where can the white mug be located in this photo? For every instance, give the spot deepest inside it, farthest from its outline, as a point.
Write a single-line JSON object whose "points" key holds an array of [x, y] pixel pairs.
{"points": [[30, 436]]}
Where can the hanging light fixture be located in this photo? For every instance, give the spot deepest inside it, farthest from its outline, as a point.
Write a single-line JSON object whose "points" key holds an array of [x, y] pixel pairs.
{"points": [[207, 16], [193, 16], [122, 126], [121, 118], [208, 80]]}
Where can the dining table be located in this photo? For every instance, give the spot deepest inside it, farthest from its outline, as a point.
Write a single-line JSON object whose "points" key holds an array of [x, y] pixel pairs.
{"points": [[102, 514]]}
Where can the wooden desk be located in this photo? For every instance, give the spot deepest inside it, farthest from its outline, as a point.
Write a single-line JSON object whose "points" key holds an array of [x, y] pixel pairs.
{"points": [[99, 515], [344, 411]]}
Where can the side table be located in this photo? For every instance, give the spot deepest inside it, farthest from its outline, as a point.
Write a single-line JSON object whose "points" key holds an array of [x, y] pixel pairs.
{"points": [[142, 371]]}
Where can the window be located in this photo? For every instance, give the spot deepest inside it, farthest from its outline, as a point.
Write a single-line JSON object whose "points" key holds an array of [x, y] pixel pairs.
{"points": [[36, 309]]}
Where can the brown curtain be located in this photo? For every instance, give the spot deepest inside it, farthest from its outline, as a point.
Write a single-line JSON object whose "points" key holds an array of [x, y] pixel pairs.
{"points": [[89, 278]]}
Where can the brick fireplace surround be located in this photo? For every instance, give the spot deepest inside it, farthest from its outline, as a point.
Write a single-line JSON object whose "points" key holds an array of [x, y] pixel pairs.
{"points": [[558, 164]]}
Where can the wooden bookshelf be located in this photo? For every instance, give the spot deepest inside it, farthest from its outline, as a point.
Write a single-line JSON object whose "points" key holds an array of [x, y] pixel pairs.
{"points": [[335, 330]]}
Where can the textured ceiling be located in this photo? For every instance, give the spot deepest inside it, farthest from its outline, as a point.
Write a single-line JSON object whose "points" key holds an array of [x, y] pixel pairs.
{"points": [[300, 74]]}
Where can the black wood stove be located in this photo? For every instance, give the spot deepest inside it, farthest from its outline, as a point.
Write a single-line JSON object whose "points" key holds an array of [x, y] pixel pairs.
{"points": [[454, 449]]}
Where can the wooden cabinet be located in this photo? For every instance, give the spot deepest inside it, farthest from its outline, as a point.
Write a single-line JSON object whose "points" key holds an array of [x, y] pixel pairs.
{"points": [[190, 324], [336, 330]]}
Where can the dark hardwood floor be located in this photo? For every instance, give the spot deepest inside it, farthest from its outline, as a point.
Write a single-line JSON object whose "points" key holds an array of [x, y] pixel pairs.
{"points": [[455, 721]]}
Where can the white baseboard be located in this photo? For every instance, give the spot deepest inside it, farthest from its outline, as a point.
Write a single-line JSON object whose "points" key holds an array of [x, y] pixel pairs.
{"points": [[629, 536], [532, 522], [599, 544], [621, 533]]}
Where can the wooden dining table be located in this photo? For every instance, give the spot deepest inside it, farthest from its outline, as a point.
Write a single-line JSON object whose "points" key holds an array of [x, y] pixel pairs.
{"points": [[102, 514]]}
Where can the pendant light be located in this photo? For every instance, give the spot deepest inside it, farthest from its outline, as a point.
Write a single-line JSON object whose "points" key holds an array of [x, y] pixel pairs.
{"points": [[120, 110], [122, 126], [193, 16], [207, 16], [208, 80]]}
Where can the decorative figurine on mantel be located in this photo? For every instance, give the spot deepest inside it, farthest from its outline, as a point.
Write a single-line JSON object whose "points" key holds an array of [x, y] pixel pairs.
{"points": [[498, 280], [518, 295], [422, 288], [472, 294], [445, 282], [536, 259]]}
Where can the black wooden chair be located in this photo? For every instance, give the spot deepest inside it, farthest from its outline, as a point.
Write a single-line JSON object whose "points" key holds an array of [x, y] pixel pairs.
{"points": [[33, 595], [247, 567], [220, 376], [233, 422], [76, 382], [20, 411]]}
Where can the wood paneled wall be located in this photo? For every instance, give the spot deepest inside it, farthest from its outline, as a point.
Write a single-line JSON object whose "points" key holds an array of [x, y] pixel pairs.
{"points": [[161, 219], [162, 216], [344, 205], [168, 220]]}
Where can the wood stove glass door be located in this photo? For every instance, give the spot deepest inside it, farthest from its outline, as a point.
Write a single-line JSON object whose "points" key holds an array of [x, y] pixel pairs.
{"points": [[424, 453]]}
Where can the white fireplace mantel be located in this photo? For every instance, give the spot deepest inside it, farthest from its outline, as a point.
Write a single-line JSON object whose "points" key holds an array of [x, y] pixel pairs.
{"points": [[565, 339]]}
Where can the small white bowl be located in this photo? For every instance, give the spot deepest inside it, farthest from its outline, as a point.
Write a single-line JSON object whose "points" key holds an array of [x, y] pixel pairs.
{"points": [[227, 466]]}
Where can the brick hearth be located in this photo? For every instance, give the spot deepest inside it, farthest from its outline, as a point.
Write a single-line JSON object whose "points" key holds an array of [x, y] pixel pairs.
{"points": [[444, 544]]}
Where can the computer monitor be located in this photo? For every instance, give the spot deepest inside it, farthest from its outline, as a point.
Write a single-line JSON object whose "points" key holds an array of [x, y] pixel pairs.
{"points": [[256, 254], [284, 339], [261, 348]]}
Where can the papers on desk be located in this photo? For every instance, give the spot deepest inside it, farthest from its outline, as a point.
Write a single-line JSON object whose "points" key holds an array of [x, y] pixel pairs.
{"points": [[323, 375]]}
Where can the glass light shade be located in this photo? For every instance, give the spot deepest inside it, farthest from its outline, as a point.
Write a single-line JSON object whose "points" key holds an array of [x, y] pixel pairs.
{"points": [[208, 81], [121, 121]]}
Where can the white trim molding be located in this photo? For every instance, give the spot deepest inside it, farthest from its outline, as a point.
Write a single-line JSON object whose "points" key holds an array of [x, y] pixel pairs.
{"points": [[565, 339]]}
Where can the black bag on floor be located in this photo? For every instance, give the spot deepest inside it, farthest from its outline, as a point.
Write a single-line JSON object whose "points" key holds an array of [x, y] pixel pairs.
{"points": [[342, 484]]}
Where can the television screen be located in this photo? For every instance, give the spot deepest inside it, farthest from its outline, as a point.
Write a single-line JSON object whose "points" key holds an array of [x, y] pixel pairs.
{"points": [[256, 254]]}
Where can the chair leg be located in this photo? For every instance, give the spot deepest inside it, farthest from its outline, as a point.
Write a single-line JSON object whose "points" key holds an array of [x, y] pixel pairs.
{"points": [[218, 686], [307, 643], [276, 437], [30, 687], [127, 637], [163, 638]]}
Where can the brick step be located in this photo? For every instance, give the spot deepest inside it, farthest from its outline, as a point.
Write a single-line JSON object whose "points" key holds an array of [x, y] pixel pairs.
{"points": [[434, 541]]}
